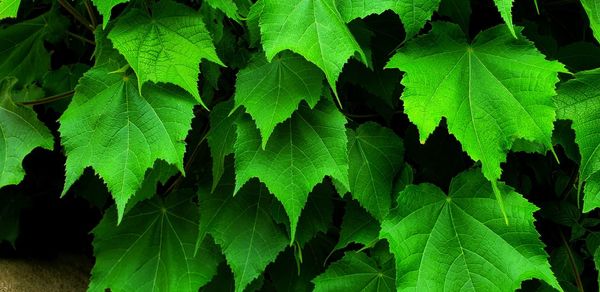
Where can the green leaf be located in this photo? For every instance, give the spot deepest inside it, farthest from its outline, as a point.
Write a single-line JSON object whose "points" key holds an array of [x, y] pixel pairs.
{"points": [[458, 11], [413, 13], [300, 153], [22, 46], [272, 91], [358, 226], [356, 270], [63, 79], [9, 8], [505, 9], [491, 92], [592, 8], [21, 132], [311, 28], [105, 7], [460, 241], [221, 137], [593, 246], [111, 127], [375, 156], [242, 227], [152, 249], [578, 101], [166, 46], [226, 6]]}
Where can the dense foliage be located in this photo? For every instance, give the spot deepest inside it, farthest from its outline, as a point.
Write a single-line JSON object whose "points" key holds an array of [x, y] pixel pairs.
{"points": [[291, 145]]}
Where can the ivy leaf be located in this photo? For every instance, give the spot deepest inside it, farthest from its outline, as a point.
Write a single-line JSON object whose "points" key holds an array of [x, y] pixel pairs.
{"points": [[491, 92], [22, 46], [413, 13], [460, 241], [301, 152], [311, 28], [355, 270], [592, 8], [578, 101], [152, 249], [21, 132], [375, 156], [9, 8], [358, 226], [105, 7], [243, 228], [505, 9], [166, 46], [272, 91], [120, 133]]}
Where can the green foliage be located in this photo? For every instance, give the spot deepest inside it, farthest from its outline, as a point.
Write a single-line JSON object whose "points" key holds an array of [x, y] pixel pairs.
{"points": [[166, 46], [456, 247], [153, 249], [578, 101], [21, 132], [302, 145]]}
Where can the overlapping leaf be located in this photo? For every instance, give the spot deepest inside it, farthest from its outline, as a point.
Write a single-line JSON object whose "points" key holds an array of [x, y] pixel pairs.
{"points": [[592, 8], [579, 100], [375, 156], [221, 137], [21, 132], [413, 13], [505, 9], [460, 241], [111, 127], [491, 92], [166, 46], [358, 226], [22, 46], [242, 226], [357, 270], [300, 153], [311, 28], [271, 91], [105, 8], [152, 249]]}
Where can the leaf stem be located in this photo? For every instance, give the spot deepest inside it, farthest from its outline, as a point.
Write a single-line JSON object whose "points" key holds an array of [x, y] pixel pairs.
{"points": [[572, 262], [48, 99], [76, 14], [81, 38], [91, 14]]}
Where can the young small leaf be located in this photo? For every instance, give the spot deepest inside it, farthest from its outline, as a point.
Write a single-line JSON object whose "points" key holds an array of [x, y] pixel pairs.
{"points": [[460, 241], [166, 46], [21, 132], [152, 249], [300, 153]]}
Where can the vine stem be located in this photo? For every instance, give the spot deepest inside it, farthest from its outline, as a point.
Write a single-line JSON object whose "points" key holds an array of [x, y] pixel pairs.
{"points": [[76, 14], [572, 262], [90, 12], [81, 38], [48, 99]]}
